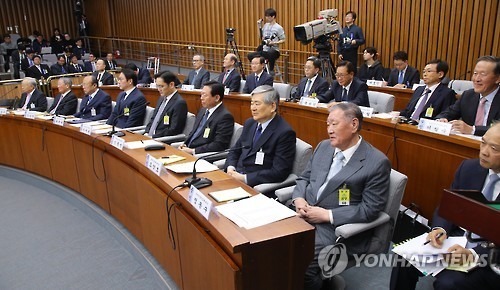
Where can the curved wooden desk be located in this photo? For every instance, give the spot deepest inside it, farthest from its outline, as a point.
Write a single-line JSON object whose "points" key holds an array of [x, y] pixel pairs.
{"points": [[213, 254]]}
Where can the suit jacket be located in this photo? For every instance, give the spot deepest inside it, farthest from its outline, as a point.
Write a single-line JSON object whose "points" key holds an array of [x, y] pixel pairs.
{"points": [[57, 69], [108, 67], [366, 175], [319, 87], [278, 144], [232, 82], [106, 79], [203, 77], [79, 52], [221, 125], [136, 104], [72, 68], [143, 77], [101, 103], [250, 84], [38, 100], [67, 106], [176, 110], [87, 65], [465, 108], [34, 72], [357, 94], [411, 77], [440, 100], [25, 64]]}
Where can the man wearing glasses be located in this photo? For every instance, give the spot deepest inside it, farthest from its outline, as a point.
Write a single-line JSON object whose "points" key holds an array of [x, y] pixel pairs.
{"points": [[199, 75], [346, 88]]}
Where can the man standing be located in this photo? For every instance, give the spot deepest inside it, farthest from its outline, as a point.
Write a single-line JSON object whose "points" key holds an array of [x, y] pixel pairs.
{"points": [[96, 104], [130, 105], [213, 127], [402, 75], [350, 39], [31, 98], [346, 88], [265, 151], [38, 70], [65, 102], [258, 77], [230, 77], [312, 84], [348, 164], [199, 75], [170, 114], [103, 77]]}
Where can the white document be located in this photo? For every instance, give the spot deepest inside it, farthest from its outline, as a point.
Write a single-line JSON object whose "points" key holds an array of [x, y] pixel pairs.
{"points": [[92, 123], [141, 144], [382, 116], [229, 194], [187, 167], [255, 211]]}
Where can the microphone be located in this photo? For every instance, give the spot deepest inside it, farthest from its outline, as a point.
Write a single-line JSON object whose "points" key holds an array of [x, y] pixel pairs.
{"points": [[204, 182], [113, 131], [8, 92], [14, 104], [459, 77]]}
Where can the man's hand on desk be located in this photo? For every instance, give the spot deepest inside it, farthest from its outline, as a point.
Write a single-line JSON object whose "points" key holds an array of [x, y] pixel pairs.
{"points": [[400, 86], [186, 149], [314, 214], [461, 126], [236, 175]]}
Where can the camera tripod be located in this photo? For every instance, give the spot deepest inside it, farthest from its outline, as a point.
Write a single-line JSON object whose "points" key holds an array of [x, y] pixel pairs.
{"points": [[233, 47], [324, 48]]}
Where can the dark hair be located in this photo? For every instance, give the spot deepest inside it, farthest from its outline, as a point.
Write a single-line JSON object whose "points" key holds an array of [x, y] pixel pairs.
{"points": [[352, 13], [270, 12], [316, 61], [37, 55], [371, 50], [6, 35], [216, 88], [73, 55], [493, 59], [130, 75], [262, 59], [441, 66], [348, 64], [400, 55], [168, 77], [351, 111], [131, 66], [59, 57]]}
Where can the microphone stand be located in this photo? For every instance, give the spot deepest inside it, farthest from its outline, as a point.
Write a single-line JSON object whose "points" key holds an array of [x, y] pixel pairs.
{"points": [[113, 131]]}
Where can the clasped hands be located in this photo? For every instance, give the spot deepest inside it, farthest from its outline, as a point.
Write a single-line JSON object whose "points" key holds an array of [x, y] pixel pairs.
{"points": [[311, 214]]}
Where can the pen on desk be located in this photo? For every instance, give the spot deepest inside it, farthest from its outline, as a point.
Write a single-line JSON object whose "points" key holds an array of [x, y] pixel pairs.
{"points": [[437, 237], [165, 157], [142, 142]]}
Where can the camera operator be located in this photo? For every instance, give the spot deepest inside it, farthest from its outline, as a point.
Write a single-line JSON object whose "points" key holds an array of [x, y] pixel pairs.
{"points": [[350, 39], [272, 34]]}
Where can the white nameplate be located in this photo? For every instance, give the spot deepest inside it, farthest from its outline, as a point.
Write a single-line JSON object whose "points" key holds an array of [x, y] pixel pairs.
{"points": [[154, 164], [309, 102], [30, 115], [86, 129], [375, 83], [226, 91], [117, 142], [200, 202], [3, 111], [58, 121], [188, 87], [434, 126], [367, 111]]}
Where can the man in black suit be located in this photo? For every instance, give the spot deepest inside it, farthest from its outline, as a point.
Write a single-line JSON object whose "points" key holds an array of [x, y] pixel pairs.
{"points": [[429, 100], [259, 76], [110, 62], [230, 77], [27, 61], [312, 84], [170, 114], [60, 67], [38, 70], [213, 128], [474, 174], [265, 151], [75, 67], [143, 76], [96, 104], [130, 104], [17, 57], [350, 39], [90, 65], [477, 108], [65, 102], [78, 49], [346, 88], [199, 75], [31, 98], [403, 75], [103, 77]]}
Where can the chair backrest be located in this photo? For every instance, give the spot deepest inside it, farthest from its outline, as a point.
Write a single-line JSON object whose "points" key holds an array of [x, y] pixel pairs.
{"points": [[381, 102], [236, 134], [50, 101], [113, 104], [189, 123], [148, 115], [283, 90], [459, 86], [52, 58], [303, 152], [242, 85]]}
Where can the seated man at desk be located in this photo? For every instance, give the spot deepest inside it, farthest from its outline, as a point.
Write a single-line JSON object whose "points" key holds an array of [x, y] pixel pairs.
{"points": [[346, 88], [143, 76], [312, 84], [130, 104], [96, 104], [344, 162], [474, 174], [259, 76], [230, 77], [402, 75], [32, 99], [214, 124], [103, 77], [65, 102], [199, 75], [38, 70], [59, 68], [170, 114], [265, 151], [429, 100], [477, 108]]}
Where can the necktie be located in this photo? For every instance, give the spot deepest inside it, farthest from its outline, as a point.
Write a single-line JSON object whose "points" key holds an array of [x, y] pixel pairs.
{"points": [[90, 100], [401, 77], [308, 88], [337, 165], [420, 108], [53, 111], [344, 95], [110, 65], [200, 128], [194, 78], [76, 67], [93, 66], [28, 97], [225, 77], [30, 61], [156, 120], [490, 187], [99, 76], [258, 132], [62, 69], [257, 80], [480, 112]]}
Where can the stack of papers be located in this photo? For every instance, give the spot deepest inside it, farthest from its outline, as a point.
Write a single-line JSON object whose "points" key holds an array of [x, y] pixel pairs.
{"points": [[187, 167], [171, 159], [141, 144], [229, 194]]}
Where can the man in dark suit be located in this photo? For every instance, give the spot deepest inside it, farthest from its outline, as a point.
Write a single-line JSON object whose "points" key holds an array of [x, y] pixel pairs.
{"points": [[143, 76], [230, 77], [31, 98], [60, 67], [214, 124], [170, 114], [477, 108], [265, 151], [346, 88], [27, 61], [199, 75], [403, 75], [75, 67], [78, 49], [344, 162], [258, 77], [90, 65], [17, 57], [474, 174], [103, 77], [38, 70], [312, 84], [433, 98], [96, 104], [65, 102], [350, 39], [110, 62], [130, 105]]}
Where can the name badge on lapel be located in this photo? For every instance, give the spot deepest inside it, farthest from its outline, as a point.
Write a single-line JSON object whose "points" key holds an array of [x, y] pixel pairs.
{"points": [[344, 195], [126, 111], [166, 120], [93, 112], [259, 157], [429, 111], [206, 133]]}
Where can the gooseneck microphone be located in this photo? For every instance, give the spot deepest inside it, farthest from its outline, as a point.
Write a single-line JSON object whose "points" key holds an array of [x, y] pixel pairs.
{"points": [[8, 92]]}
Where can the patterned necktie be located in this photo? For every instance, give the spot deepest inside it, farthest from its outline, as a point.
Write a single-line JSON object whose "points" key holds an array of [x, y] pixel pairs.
{"points": [[480, 112], [257, 135], [257, 80], [337, 164], [55, 108], [28, 97], [200, 128], [156, 120], [344, 95], [401, 77], [308, 88], [490, 187], [418, 111], [225, 77]]}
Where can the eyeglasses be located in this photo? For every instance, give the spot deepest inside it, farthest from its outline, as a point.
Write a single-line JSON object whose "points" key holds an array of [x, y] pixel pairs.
{"points": [[196, 60], [428, 71], [482, 74], [340, 76]]}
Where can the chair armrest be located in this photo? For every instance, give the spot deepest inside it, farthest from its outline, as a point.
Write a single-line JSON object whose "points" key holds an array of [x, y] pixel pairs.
{"points": [[172, 139], [284, 194], [137, 128], [270, 187], [220, 163], [176, 144], [213, 158], [349, 230]]}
